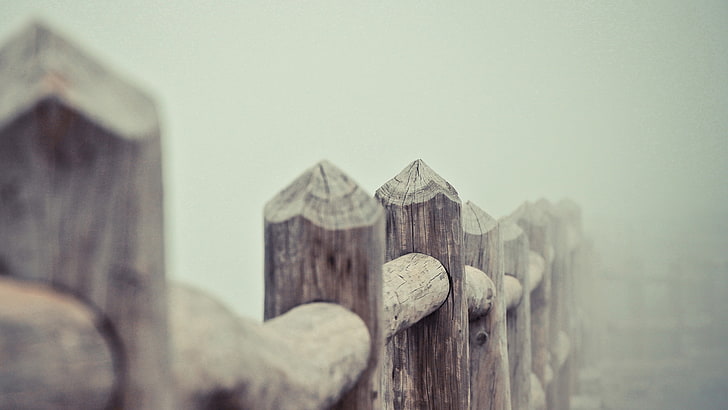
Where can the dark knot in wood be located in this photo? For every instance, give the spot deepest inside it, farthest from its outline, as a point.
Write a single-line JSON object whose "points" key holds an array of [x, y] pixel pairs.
{"points": [[481, 337]]}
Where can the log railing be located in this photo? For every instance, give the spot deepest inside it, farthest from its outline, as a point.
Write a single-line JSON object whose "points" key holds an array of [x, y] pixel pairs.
{"points": [[406, 299]]}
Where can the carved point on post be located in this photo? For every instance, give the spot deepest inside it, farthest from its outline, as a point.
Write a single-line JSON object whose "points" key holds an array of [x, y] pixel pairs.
{"points": [[325, 196], [36, 64]]}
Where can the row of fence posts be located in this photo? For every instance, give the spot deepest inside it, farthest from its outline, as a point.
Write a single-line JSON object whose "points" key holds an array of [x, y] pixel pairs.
{"points": [[81, 211]]}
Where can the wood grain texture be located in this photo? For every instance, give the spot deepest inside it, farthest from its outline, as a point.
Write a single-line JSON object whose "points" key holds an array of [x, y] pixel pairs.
{"points": [[535, 224], [53, 354], [428, 363], [515, 256], [479, 291], [415, 285], [489, 372], [81, 197], [306, 358], [324, 241]]}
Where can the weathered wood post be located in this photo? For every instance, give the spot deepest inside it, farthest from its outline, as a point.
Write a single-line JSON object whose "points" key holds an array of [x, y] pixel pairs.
{"points": [[81, 199], [535, 224], [515, 257], [324, 241], [427, 365], [489, 377]]}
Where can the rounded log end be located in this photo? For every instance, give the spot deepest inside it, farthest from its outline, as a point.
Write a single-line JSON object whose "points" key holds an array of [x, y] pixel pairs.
{"points": [[53, 353], [480, 291], [513, 291]]}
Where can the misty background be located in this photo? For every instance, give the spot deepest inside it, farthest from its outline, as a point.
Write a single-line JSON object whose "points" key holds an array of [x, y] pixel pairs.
{"points": [[621, 106]]}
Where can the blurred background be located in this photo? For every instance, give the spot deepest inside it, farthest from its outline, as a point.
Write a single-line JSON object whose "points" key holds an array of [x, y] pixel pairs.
{"points": [[621, 106]]}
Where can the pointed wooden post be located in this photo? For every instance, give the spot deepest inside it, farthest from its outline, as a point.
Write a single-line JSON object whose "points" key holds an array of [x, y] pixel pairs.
{"points": [[489, 377], [534, 223], [515, 261], [428, 363], [81, 198], [324, 240]]}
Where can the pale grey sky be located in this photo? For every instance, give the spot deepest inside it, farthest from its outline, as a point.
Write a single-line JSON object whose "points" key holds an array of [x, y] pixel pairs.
{"points": [[620, 105]]}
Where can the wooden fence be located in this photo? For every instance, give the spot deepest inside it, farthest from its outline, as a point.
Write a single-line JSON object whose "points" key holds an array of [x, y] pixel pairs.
{"points": [[407, 299]]}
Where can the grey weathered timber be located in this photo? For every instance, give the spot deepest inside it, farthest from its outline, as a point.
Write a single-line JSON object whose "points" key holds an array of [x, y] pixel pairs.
{"points": [[489, 377], [513, 291], [415, 285], [306, 358], [515, 257], [534, 223], [427, 365], [81, 197], [324, 241], [479, 292], [53, 351]]}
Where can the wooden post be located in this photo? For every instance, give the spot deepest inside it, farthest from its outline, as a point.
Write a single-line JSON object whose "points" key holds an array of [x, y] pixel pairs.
{"points": [[535, 224], [81, 198], [428, 362], [489, 377], [324, 241], [518, 320]]}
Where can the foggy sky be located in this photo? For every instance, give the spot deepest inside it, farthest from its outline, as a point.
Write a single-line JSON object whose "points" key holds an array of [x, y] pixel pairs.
{"points": [[620, 105]]}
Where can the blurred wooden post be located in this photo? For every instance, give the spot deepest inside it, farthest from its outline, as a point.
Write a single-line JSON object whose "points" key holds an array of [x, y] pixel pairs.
{"points": [[556, 304], [81, 199], [571, 218], [489, 377], [515, 257], [535, 224], [324, 241], [427, 365]]}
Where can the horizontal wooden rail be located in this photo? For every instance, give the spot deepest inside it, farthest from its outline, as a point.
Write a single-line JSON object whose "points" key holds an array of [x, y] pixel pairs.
{"points": [[480, 291], [513, 290], [53, 350], [304, 359], [414, 286], [538, 395], [514, 287], [561, 350], [536, 267]]}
